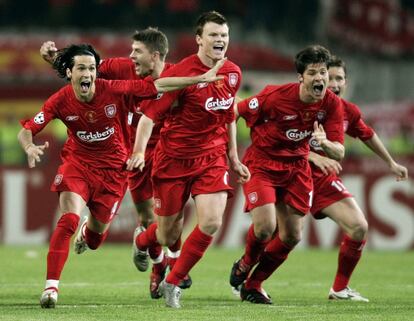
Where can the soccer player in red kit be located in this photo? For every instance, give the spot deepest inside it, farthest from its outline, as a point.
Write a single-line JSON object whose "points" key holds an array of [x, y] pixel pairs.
{"points": [[281, 119], [332, 199], [149, 49], [93, 170], [190, 157]]}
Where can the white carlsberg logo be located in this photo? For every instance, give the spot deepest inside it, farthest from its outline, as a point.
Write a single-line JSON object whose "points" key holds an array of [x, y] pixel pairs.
{"points": [[314, 144], [296, 135], [90, 137], [217, 104], [39, 118], [253, 103]]}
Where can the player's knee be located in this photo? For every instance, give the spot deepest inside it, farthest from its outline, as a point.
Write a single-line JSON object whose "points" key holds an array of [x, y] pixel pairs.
{"points": [[293, 238], [210, 227], [359, 231], [264, 232]]}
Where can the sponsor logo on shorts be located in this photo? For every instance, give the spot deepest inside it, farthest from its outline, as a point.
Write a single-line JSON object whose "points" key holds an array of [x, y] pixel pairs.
{"points": [[110, 110], [226, 178], [58, 179], [90, 137], [218, 104], [253, 104], [233, 79], [297, 135], [39, 118], [252, 197], [72, 118], [157, 203]]}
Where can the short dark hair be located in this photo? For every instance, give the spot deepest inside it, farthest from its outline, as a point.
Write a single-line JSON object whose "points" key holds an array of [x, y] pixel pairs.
{"points": [[210, 16], [335, 61], [314, 54], [65, 58], [153, 39]]}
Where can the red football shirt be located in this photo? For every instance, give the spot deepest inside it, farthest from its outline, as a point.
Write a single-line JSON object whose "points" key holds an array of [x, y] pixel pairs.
{"points": [[97, 131], [281, 123], [196, 116], [124, 68], [353, 125]]}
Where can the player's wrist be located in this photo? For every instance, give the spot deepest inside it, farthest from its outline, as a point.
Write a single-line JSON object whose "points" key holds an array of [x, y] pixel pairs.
{"points": [[26, 148]]}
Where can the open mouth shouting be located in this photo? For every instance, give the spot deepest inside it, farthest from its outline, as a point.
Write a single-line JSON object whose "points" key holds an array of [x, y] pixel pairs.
{"points": [[318, 89], [218, 49], [85, 85]]}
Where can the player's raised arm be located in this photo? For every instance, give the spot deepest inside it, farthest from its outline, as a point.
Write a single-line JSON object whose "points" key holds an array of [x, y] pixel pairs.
{"points": [[33, 151], [175, 83], [376, 145], [48, 51]]}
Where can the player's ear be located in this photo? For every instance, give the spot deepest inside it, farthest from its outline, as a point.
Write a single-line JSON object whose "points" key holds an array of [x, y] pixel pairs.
{"points": [[198, 40], [300, 77], [68, 73]]}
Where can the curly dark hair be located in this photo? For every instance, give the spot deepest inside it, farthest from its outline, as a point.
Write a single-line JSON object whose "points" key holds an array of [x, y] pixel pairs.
{"points": [[65, 58], [315, 54]]}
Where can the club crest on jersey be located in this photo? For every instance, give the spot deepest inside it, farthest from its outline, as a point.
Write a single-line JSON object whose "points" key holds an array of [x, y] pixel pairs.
{"points": [[253, 104], [39, 118], [252, 197], [308, 115], [233, 79], [90, 116], [58, 179], [320, 115], [110, 110]]}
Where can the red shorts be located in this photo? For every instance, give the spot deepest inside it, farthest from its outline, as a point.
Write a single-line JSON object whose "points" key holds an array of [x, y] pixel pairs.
{"points": [[328, 189], [275, 181], [174, 180], [102, 189], [139, 183]]}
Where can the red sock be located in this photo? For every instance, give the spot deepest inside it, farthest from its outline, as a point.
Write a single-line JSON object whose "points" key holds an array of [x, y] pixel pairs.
{"points": [[349, 254], [147, 238], [192, 251], [93, 239], [254, 248], [275, 253], [154, 251], [59, 245], [174, 253]]}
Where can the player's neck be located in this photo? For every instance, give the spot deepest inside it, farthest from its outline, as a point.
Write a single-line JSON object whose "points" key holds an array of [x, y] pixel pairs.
{"points": [[158, 68], [206, 60]]}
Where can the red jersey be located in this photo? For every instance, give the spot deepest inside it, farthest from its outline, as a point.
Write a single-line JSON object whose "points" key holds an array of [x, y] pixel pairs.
{"points": [[96, 130], [353, 126], [281, 123], [124, 68], [196, 116]]}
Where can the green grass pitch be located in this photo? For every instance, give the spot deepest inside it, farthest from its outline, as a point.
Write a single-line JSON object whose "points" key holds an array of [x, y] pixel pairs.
{"points": [[104, 285]]}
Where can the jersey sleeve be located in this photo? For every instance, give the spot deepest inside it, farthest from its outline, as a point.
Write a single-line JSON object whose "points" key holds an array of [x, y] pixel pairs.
{"points": [[144, 88], [42, 118], [252, 108], [116, 68], [357, 128], [334, 126], [157, 108]]}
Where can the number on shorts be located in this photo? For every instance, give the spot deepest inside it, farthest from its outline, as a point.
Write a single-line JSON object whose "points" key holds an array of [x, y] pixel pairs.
{"points": [[310, 198]]}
